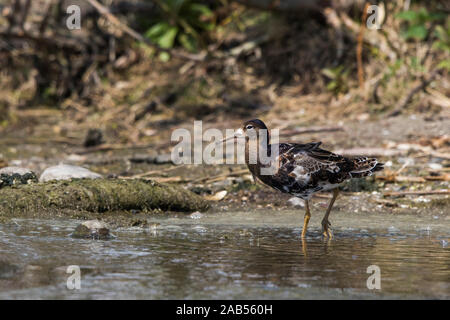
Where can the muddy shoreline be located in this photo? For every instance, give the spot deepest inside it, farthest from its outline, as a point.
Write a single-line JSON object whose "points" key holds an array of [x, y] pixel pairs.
{"points": [[358, 197]]}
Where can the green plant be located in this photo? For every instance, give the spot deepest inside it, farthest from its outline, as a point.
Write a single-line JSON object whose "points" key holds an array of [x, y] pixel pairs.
{"points": [[443, 43], [418, 22], [182, 22], [338, 79]]}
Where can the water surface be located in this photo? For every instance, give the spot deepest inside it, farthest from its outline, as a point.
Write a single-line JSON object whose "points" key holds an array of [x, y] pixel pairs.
{"points": [[235, 255]]}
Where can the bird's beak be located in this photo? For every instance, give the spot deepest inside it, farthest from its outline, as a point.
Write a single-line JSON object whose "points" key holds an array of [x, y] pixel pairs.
{"points": [[237, 134]]}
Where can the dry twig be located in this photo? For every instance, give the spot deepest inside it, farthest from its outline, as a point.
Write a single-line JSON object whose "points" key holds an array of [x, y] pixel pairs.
{"points": [[415, 193]]}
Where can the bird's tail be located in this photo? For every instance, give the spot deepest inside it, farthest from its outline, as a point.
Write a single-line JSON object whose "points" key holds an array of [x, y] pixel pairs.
{"points": [[364, 167]]}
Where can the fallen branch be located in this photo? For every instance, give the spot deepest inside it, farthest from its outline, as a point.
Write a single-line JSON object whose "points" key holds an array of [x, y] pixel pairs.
{"points": [[444, 177], [148, 173], [415, 193], [394, 178], [109, 147], [222, 176]]}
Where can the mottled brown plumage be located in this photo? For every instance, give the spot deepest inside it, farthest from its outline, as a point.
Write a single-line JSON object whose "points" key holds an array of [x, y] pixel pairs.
{"points": [[304, 169]]}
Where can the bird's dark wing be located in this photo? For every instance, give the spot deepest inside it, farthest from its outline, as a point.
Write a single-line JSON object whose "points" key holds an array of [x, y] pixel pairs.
{"points": [[308, 164]]}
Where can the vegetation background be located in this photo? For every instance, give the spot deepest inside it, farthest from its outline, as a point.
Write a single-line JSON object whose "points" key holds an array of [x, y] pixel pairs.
{"points": [[137, 69]]}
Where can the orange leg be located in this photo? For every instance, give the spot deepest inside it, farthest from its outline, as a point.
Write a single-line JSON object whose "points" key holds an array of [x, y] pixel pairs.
{"points": [[306, 220], [326, 231]]}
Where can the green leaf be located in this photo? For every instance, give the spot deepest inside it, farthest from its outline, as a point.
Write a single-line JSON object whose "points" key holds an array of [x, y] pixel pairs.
{"points": [[332, 85], [176, 5], [164, 56], [201, 9], [418, 32], [200, 16], [157, 30], [188, 42], [328, 73], [408, 15], [436, 16], [445, 64], [167, 39]]}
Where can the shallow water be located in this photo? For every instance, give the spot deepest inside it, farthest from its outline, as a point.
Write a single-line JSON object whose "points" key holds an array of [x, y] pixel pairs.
{"points": [[230, 255]]}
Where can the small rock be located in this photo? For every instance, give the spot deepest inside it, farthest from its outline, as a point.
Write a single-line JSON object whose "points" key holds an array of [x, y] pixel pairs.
{"points": [[392, 229], [164, 158], [218, 196], [296, 202], [10, 176], [196, 215], [92, 229], [67, 172], [388, 163], [435, 166]]}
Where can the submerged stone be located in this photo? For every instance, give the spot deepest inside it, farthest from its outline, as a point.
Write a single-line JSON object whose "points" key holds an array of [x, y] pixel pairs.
{"points": [[67, 172], [92, 229]]}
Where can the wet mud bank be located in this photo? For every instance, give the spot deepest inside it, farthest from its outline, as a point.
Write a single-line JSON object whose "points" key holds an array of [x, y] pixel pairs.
{"points": [[69, 198]]}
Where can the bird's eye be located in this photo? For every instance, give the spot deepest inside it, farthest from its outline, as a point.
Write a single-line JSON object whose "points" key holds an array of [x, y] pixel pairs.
{"points": [[249, 127]]}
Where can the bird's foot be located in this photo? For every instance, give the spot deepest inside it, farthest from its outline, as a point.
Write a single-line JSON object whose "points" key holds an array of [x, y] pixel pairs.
{"points": [[326, 230]]}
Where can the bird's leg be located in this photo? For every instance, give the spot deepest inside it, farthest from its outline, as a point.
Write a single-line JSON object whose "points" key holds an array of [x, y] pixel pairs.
{"points": [[304, 247], [306, 220], [325, 223]]}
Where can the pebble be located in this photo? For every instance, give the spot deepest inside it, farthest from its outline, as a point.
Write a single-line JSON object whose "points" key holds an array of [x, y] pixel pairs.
{"points": [[92, 229], [296, 202], [393, 229], [164, 158], [67, 172], [196, 215], [435, 166]]}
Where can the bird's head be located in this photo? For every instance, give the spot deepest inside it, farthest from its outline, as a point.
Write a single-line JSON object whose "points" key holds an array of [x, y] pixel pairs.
{"points": [[252, 129]]}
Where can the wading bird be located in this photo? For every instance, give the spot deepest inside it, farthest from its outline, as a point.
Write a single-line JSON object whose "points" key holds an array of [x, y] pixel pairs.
{"points": [[301, 169]]}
